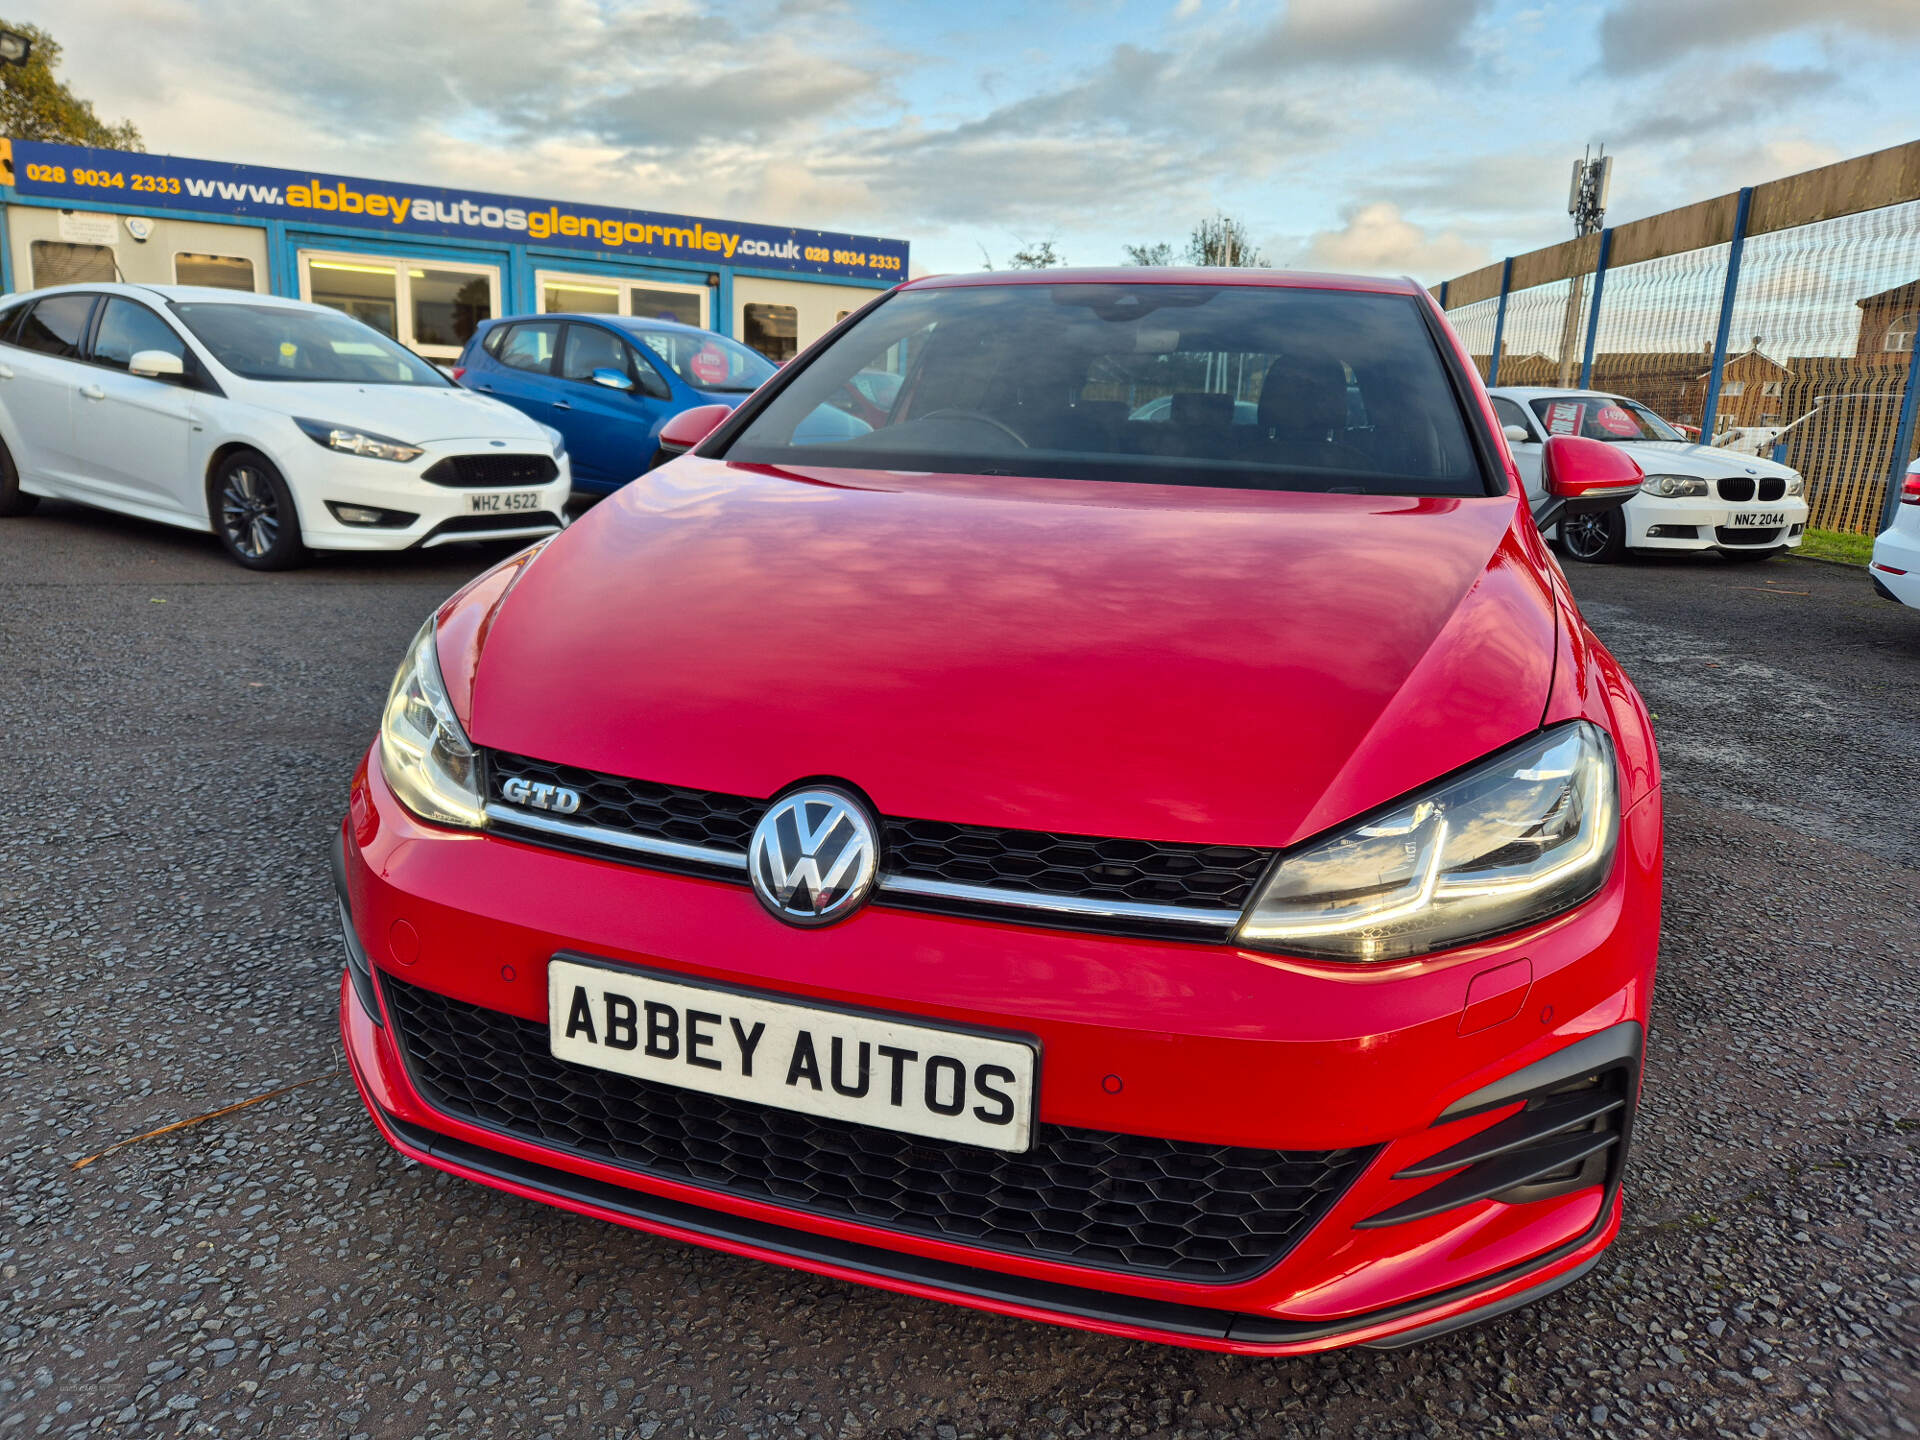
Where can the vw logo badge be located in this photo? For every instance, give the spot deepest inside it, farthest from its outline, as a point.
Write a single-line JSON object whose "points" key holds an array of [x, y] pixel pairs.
{"points": [[813, 857]]}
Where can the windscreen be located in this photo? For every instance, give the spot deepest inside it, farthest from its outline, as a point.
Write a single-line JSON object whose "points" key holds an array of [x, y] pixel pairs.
{"points": [[706, 362], [278, 342], [1245, 386], [1602, 417]]}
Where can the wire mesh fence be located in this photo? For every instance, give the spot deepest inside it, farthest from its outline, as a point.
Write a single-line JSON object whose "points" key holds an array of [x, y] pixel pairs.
{"points": [[1806, 357]]}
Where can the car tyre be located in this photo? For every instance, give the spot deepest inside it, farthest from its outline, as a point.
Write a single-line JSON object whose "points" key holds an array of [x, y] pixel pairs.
{"points": [[13, 500], [1595, 539], [253, 513]]}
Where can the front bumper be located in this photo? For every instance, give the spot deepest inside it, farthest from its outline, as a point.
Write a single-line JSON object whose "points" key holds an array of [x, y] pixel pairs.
{"points": [[1706, 523], [443, 514], [1188, 1042]]}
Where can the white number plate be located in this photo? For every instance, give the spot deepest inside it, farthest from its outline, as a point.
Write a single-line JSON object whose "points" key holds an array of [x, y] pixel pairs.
{"points": [[845, 1065], [1758, 520], [503, 502]]}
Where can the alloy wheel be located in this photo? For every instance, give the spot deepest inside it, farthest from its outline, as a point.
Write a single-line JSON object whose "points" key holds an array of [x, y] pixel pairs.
{"points": [[1585, 535], [249, 511]]}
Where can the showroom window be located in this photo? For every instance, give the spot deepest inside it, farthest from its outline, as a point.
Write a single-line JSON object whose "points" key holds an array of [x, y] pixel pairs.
{"points": [[773, 330], [56, 262], [222, 272], [609, 295], [126, 328], [432, 307]]}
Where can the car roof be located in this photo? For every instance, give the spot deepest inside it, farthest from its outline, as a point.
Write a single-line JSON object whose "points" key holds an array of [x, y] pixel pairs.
{"points": [[619, 322], [200, 294], [1178, 275], [1550, 392]]}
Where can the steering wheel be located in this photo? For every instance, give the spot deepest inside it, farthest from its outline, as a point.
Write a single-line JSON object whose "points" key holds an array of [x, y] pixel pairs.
{"points": [[958, 414]]}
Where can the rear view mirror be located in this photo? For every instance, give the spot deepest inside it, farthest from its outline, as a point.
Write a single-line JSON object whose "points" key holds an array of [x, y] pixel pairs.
{"points": [[687, 429], [1517, 434], [156, 364], [1583, 477], [613, 379]]}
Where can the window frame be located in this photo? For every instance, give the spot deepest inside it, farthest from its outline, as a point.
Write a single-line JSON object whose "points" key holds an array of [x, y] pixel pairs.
{"points": [[85, 342], [191, 369], [624, 286], [552, 372], [402, 267]]}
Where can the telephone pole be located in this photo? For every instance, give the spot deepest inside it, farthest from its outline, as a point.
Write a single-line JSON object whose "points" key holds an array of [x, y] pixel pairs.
{"points": [[1587, 204]]}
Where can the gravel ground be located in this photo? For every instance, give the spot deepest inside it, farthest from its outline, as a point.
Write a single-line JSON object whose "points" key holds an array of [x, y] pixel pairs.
{"points": [[177, 736]]}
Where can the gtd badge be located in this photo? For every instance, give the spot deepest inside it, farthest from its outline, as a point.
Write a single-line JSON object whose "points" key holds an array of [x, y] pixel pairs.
{"points": [[557, 798]]}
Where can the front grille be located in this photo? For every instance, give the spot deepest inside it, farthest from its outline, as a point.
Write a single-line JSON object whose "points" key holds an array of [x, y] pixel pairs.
{"points": [[1210, 1213], [1209, 880], [476, 471], [1727, 535], [1034, 862], [1772, 487], [1736, 487]]}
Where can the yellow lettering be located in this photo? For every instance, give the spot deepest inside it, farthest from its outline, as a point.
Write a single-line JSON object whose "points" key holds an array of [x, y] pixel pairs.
{"points": [[537, 225], [376, 204], [569, 224], [709, 241], [676, 236], [301, 196], [397, 206], [359, 203], [731, 243], [636, 233]]}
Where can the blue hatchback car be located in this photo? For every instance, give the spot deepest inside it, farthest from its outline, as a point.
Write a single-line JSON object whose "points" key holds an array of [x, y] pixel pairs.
{"points": [[607, 383]]}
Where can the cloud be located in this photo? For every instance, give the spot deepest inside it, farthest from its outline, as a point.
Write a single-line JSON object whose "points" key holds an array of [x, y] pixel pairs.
{"points": [[1377, 239], [1412, 34], [1719, 101], [1640, 35]]}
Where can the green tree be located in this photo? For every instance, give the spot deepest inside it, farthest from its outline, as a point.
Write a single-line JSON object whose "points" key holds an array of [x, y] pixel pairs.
{"points": [[1223, 240], [36, 106], [1160, 253]]}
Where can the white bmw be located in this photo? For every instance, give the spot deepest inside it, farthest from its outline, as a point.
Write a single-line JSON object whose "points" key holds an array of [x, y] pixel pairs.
{"points": [[1696, 497], [279, 426]]}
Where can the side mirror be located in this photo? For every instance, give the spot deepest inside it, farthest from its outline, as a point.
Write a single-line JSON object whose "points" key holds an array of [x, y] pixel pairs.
{"points": [[1516, 434], [1584, 477], [687, 429], [155, 364], [613, 379]]}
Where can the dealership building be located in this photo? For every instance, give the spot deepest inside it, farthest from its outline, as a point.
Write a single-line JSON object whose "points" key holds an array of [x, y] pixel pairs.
{"points": [[422, 263]]}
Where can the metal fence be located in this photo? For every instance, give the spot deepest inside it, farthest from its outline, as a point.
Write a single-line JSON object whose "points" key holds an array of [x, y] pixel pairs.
{"points": [[1780, 321]]}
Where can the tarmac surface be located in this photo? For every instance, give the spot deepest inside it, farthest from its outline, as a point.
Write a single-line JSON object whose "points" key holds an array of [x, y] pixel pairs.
{"points": [[176, 736]]}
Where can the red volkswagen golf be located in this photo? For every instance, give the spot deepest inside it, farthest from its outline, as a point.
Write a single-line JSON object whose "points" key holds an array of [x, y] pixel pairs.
{"points": [[1136, 833]]}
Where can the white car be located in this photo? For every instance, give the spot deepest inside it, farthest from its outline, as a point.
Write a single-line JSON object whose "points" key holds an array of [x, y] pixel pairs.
{"points": [[1896, 553], [1696, 497], [275, 424]]}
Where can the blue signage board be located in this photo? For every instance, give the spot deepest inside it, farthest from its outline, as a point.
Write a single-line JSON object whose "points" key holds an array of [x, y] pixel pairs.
{"points": [[120, 178]]}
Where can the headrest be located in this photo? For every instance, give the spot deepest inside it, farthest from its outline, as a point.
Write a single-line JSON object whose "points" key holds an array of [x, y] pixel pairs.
{"points": [[1201, 407], [1304, 396]]}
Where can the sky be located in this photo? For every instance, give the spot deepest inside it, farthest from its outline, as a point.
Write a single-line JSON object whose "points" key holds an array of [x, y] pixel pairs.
{"points": [[1422, 137]]}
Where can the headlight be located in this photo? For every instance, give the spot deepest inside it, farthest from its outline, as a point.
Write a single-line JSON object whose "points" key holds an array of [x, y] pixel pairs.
{"points": [[423, 750], [358, 442], [1673, 486], [1512, 840], [1796, 484], [557, 440]]}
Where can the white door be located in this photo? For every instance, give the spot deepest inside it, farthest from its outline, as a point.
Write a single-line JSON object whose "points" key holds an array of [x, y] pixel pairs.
{"points": [[432, 306], [1526, 453], [40, 377], [132, 432]]}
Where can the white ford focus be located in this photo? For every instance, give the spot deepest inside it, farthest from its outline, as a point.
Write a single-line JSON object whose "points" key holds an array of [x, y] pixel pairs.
{"points": [[1695, 497], [278, 425]]}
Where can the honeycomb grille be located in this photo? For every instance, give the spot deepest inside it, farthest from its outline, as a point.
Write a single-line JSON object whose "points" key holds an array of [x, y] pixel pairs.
{"points": [[1211, 1213], [482, 470], [1030, 862], [639, 807], [1084, 866]]}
